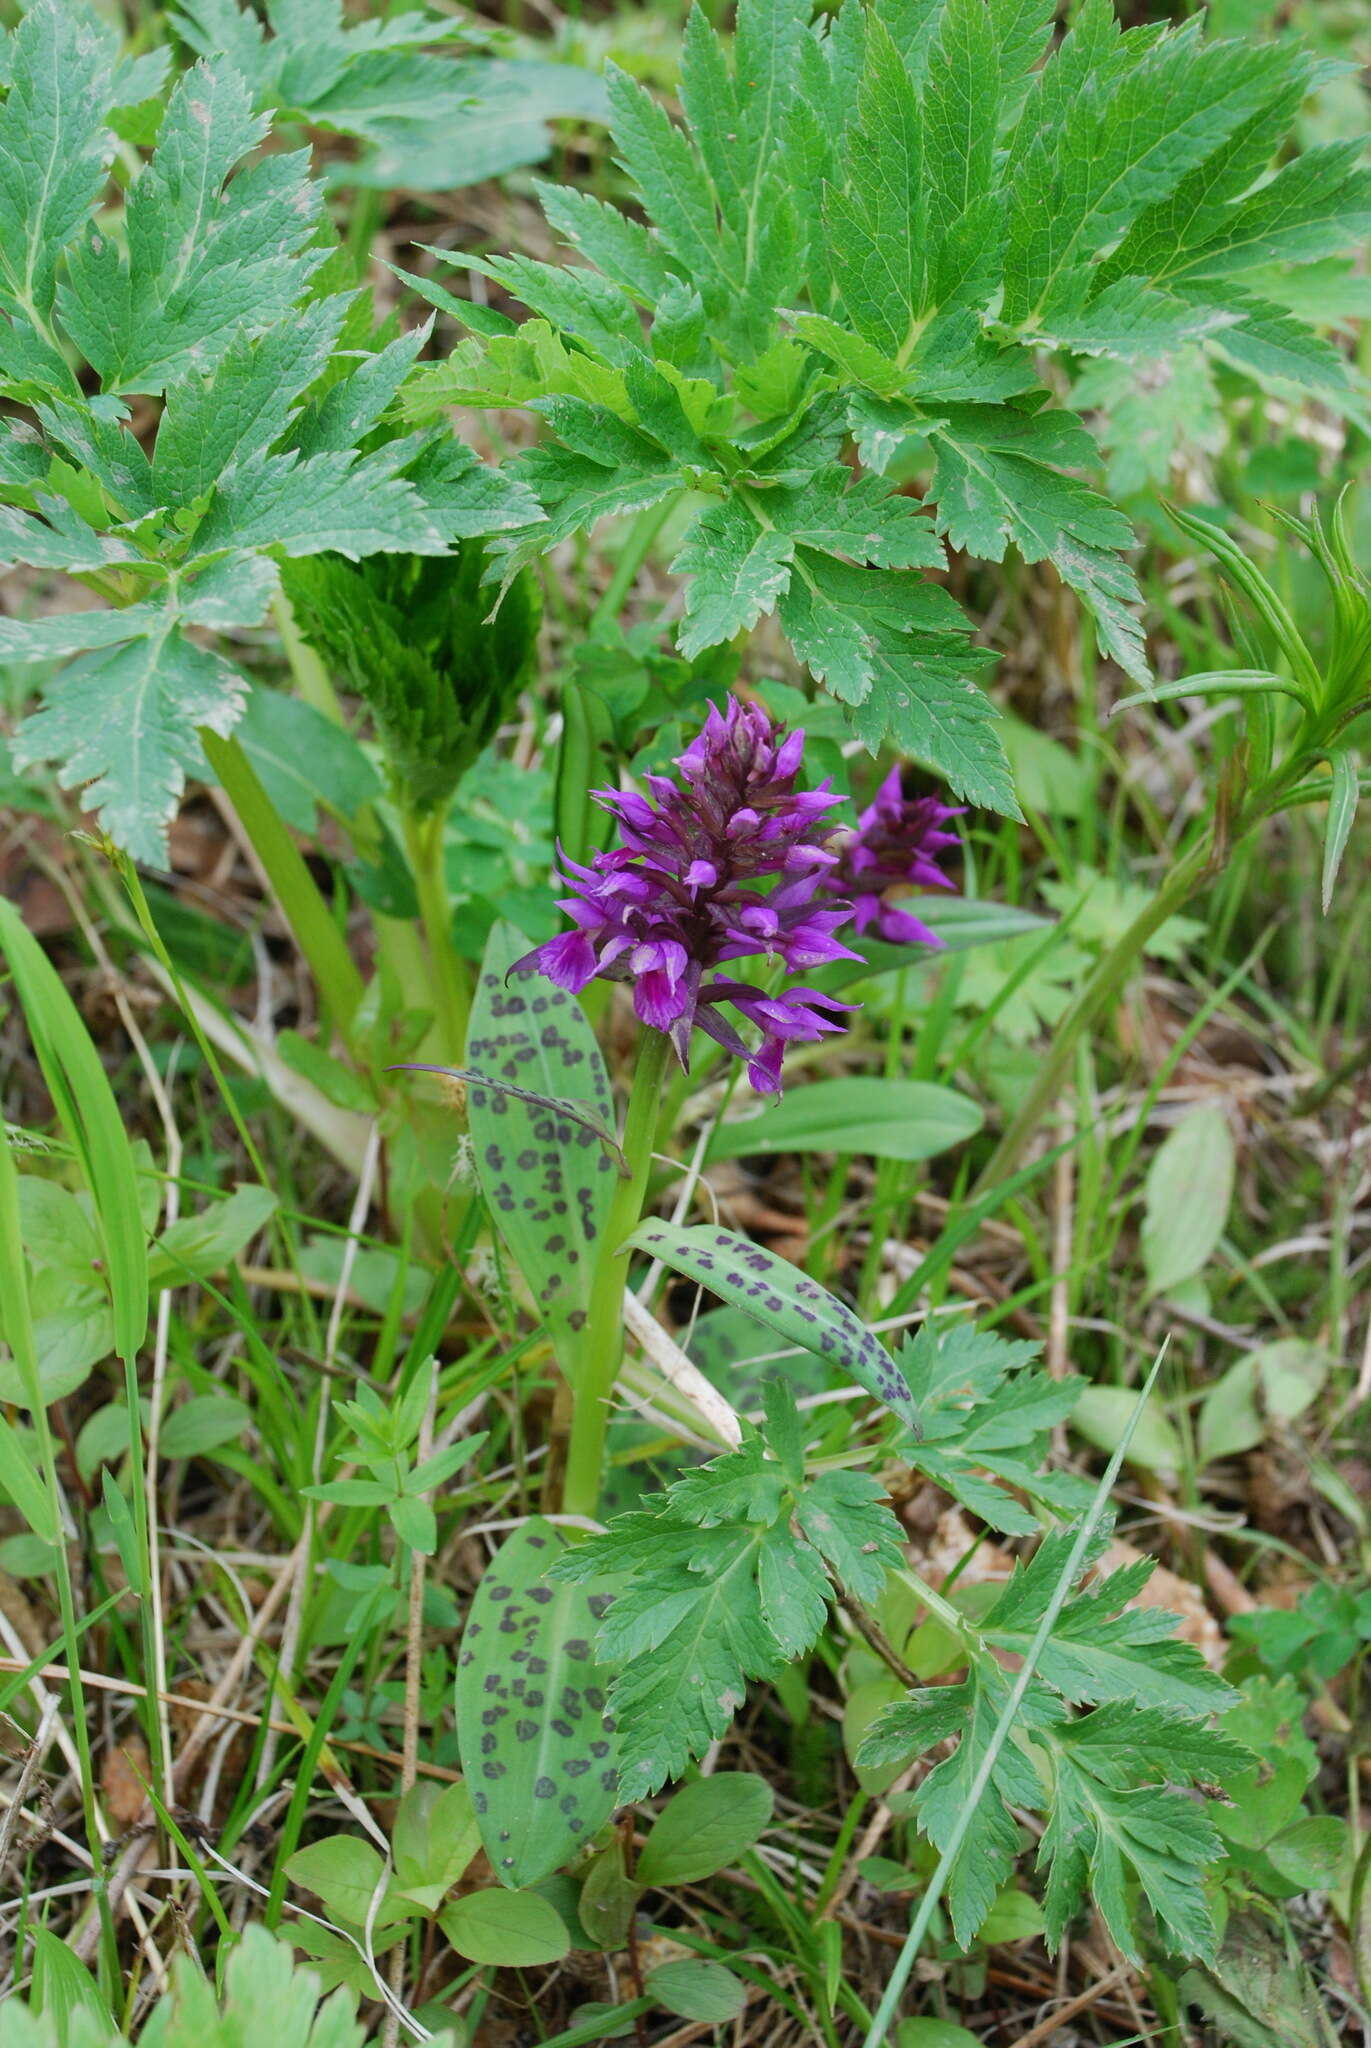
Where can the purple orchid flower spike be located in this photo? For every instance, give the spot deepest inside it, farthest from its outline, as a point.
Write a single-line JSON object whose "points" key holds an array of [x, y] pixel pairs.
{"points": [[898, 841], [727, 864]]}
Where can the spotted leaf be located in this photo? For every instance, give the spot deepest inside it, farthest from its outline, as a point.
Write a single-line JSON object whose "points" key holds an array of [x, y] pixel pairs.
{"points": [[537, 1746], [560, 1105], [546, 1175], [786, 1300]]}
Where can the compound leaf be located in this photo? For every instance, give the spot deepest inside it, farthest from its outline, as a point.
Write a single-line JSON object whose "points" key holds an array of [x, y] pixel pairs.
{"points": [[726, 1580]]}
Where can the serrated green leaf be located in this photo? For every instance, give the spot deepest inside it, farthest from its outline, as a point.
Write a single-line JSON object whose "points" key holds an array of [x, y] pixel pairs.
{"points": [[122, 724], [961, 104], [245, 404], [736, 569], [1130, 319], [55, 146], [987, 1412], [1137, 113], [619, 246], [1102, 1649], [877, 227], [339, 503], [860, 361], [206, 254], [997, 482], [726, 1581], [923, 702], [658, 157], [486, 116], [838, 617], [58, 538], [968, 1710], [603, 465], [415, 637], [1107, 1835], [1313, 206], [427, 121]]}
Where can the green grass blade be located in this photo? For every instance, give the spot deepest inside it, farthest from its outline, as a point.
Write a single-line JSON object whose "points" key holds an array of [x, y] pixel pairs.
{"points": [[86, 1106]]}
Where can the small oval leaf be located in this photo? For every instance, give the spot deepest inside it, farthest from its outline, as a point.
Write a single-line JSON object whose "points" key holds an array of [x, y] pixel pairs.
{"points": [[697, 1990], [513, 1930], [1189, 1188], [1275, 1383], [1102, 1414], [705, 1827]]}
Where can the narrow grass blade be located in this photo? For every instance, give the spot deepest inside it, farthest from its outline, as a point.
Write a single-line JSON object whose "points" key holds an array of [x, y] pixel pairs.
{"points": [[85, 1103], [1342, 809]]}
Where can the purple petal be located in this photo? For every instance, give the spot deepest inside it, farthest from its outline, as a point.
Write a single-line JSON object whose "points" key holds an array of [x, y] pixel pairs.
{"points": [[764, 1067], [569, 960], [660, 999], [902, 928]]}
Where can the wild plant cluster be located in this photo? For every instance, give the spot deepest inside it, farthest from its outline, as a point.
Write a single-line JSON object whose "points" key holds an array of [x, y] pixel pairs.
{"points": [[589, 642]]}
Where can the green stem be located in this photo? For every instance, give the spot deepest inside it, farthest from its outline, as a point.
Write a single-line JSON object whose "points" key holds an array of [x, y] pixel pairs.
{"points": [[448, 977], [312, 679], [304, 909], [641, 535], [128, 874], [400, 952], [587, 730], [1104, 985], [603, 1337]]}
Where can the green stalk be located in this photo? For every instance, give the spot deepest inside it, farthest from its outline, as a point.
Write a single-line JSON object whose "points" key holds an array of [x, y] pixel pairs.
{"points": [[602, 1346], [311, 923], [312, 679], [586, 728], [641, 535], [129, 876], [448, 976], [400, 951], [1102, 988]]}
